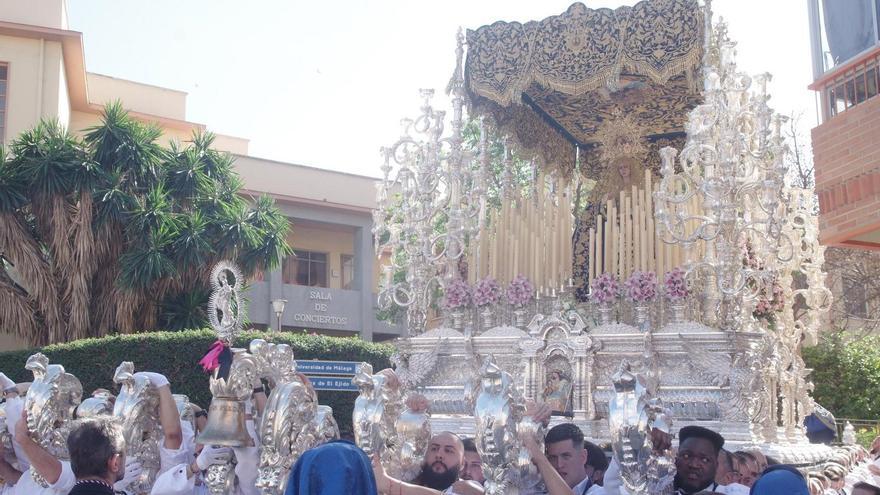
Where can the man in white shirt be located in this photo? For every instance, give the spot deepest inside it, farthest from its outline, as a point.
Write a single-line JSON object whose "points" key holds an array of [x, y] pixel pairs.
{"points": [[563, 463], [58, 474]]}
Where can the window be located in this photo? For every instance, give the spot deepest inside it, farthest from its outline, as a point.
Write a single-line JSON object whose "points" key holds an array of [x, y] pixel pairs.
{"points": [[305, 268], [4, 79], [347, 264]]}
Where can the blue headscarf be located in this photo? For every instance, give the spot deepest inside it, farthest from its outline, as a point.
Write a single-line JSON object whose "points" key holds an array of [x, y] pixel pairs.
{"points": [[335, 468], [780, 480]]}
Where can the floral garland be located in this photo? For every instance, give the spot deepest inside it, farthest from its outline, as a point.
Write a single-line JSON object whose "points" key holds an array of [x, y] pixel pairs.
{"points": [[458, 294], [520, 291], [675, 285], [604, 288], [771, 297], [486, 291], [641, 287]]}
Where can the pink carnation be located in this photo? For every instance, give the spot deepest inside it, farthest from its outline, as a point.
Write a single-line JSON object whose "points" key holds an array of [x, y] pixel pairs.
{"points": [[604, 288], [675, 285], [486, 291], [520, 291], [641, 286], [458, 294]]}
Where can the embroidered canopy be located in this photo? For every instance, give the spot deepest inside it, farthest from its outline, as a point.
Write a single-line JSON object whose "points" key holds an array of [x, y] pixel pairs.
{"points": [[551, 84]]}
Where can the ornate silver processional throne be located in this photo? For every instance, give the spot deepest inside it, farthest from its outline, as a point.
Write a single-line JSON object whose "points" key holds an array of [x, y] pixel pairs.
{"points": [[552, 227]]}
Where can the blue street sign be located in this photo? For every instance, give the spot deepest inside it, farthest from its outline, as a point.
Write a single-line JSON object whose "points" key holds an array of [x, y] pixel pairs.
{"points": [[333, 383], [326, 367]]}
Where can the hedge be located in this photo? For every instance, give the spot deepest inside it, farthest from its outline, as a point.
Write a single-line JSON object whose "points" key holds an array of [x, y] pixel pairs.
{"points": [[176, 355]]}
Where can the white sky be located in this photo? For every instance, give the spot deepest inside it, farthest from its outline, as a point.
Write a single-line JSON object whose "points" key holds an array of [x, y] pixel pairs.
{"points": [[326, 83]]}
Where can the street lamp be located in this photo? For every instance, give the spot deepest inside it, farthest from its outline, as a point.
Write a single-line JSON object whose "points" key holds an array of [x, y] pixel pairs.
{"points": [[278, 307]]}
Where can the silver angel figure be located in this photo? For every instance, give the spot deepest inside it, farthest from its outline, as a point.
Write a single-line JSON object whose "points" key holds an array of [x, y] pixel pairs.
{"points": [[497, 411], [137, 408], [289, 424], [413, 435], [375, 411], [50, 403], [632, 413]]}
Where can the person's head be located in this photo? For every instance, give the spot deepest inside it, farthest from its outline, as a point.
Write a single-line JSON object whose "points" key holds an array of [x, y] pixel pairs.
{"points": [[564, 445], [836, 475], [747, 466], [472, 469], [443, 461], [697, 459], [726, 472], [332, 468], [760, 458], [553, 378], [97, 449], [597, 462], [780, 479], [862, 488]]}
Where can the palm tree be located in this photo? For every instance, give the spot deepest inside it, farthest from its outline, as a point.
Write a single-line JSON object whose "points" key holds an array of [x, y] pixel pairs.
{"points": [[114, 233]]}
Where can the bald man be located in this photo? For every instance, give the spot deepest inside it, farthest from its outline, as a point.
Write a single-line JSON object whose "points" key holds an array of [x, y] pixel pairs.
{"points": [[443, 461]]}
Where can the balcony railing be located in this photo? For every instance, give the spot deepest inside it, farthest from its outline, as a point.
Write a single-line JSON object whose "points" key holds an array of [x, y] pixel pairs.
{"points": [[850, 84]]}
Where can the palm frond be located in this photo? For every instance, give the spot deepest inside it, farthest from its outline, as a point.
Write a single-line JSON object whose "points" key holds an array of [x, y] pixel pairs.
{"points": [[148, 261], [13, 184]]}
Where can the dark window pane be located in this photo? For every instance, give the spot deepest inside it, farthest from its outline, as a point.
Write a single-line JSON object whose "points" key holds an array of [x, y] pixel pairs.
{"points": [[860, 88], [872, 81], [301, 254], [2, 87], [850, 93], [3, 70], [302, 271], [347, 262], [320, 257]]}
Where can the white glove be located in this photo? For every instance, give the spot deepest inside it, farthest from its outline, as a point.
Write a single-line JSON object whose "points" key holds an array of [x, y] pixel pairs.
{"points": [[157, 379], [133, 470], [211, 455], [5, 382]]}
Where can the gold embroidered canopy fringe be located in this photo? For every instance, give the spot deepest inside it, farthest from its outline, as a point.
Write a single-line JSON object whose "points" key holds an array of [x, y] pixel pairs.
{"points": [[550, 84]]}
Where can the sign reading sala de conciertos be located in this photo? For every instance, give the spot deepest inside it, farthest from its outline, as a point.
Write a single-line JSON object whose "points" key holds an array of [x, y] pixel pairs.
{"points": [[319, 310]]}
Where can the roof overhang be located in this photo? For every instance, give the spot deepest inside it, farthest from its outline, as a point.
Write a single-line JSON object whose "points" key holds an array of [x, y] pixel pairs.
{"points": [[75, 71]]}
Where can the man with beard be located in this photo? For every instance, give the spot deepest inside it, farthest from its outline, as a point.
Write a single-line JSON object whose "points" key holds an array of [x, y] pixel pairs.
{"points": [[696, 462], [440, 470], [443, 461]]}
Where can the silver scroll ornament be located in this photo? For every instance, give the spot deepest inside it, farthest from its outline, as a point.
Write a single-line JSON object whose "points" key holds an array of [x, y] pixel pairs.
{"points": [[290, 424], [50, 403], [376, 410], [633, 413], [137, 409], [413, 430], [498, 412]]}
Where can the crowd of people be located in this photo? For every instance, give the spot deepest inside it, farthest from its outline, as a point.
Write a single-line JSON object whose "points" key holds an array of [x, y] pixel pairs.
{"points": [[565, 464]]}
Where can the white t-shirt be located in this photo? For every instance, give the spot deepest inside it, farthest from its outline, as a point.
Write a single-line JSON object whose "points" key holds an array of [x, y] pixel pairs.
{"points": [[27, 486], [174, 482], [581, 488], [733, 489]]}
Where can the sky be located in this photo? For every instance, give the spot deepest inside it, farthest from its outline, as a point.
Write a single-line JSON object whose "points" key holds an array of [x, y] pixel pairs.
{"points": [[326, 84]]}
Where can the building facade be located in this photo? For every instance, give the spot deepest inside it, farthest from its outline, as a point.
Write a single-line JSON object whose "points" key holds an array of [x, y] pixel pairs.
{"points": [[846, 144], [329, 284]]}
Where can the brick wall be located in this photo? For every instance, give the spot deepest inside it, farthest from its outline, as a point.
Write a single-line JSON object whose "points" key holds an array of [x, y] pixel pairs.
{"points": [[846, 153]]}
